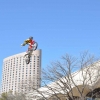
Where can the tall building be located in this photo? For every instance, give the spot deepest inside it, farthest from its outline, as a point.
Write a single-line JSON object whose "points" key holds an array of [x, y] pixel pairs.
{"points": [[17, 76]]}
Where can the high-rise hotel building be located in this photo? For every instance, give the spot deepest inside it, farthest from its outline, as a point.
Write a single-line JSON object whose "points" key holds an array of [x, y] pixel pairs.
{"points": [[17, 76]]}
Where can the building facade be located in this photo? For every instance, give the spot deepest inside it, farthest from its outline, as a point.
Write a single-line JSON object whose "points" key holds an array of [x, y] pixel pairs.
{"points": [[17, 76]]}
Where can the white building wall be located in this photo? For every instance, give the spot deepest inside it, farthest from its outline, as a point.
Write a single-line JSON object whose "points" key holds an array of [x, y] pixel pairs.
{"points": [[16, 74]]}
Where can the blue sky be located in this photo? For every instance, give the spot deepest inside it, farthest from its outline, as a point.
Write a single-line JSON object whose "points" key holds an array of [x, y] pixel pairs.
{"points": [[59, 27]]}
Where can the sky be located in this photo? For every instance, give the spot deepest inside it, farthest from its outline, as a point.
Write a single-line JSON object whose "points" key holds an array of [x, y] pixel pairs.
{"points": [[58, 26]]}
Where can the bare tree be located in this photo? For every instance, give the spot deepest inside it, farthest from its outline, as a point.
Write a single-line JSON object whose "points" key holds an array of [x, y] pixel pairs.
{"points": [[71, 77]]}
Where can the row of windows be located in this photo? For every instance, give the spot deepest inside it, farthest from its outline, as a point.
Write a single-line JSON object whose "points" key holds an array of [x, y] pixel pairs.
{"points": [[22, 79], [19, 67], [22, 82], [20, 71], [20, 85], [23, 76], [15, 74], [21, 59]]}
